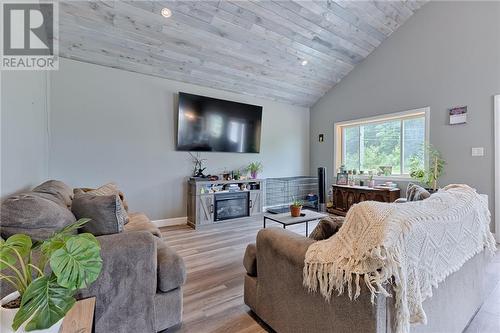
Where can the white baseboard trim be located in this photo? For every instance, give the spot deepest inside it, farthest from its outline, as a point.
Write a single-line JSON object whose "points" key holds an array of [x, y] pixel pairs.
{"points": [[170, 222]]}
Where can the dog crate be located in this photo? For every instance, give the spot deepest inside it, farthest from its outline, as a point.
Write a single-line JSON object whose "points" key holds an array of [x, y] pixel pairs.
{"points": [[281, 192]]}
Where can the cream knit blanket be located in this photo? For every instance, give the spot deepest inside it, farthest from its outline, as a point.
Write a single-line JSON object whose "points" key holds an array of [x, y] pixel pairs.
{"points": [[412, 246]]}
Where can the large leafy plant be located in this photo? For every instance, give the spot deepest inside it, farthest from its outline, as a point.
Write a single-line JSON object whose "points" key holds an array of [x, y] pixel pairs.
{"points": [[48, 294], [427, 175]]}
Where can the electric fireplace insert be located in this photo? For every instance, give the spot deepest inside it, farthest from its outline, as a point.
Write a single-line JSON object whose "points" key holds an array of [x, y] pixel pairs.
{"points": [[231, 205]]}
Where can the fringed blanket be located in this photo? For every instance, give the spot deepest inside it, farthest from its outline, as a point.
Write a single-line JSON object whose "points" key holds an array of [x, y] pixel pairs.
{"points": [[414, 246]]}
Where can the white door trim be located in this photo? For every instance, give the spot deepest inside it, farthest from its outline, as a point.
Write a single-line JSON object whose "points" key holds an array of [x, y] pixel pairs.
{"points": [[497, 166]]}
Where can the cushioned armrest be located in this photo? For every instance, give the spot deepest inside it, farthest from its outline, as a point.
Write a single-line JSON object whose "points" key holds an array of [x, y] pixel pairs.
{"points": [[250, 260], [171, 268], [140, 222], [126, 286], [283, 243]]}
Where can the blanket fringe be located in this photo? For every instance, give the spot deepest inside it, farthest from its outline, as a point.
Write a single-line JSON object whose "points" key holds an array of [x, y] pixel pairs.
{"points": [[337, 276]]}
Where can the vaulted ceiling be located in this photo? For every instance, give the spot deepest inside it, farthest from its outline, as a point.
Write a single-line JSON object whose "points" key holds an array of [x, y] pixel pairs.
{"points": [[258, 48]]}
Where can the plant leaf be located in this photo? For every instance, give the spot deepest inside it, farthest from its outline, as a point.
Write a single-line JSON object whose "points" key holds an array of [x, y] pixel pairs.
{"points": [[46, 301], [19, 242], [90, 237], [53, 244], [78, 263], [59, 239], [68, 230]]}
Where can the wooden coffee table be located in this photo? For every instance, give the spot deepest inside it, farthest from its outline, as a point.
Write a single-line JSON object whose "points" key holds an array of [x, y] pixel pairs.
{"points": [[80, 318], [285, 219]]}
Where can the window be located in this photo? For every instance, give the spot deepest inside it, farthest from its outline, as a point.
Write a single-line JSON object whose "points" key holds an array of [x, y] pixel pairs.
{"points": [[395, 140]]}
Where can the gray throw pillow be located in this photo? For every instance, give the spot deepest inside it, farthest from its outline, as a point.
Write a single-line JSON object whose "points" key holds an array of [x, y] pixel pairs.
{"points": [[34, 215], [106, 190], [416, 192], [326, 228], [60, 192], [105, 211]]}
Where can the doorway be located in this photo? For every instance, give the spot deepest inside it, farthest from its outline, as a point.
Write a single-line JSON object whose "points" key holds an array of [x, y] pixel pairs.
{"points": [[497, 166]]}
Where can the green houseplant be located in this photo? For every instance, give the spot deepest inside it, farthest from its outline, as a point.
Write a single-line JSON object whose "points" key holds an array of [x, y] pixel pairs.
{"points": [[296, 207], [428, 176], [254, 168], [371, 181], [44, 295]]}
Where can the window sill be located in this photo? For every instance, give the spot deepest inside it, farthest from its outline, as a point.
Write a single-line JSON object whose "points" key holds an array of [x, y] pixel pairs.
{"points": [[386, 178]]}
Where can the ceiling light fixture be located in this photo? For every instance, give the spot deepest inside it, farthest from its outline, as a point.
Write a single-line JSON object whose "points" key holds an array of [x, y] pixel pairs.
{"points": [[165, 12], [304, 62]]}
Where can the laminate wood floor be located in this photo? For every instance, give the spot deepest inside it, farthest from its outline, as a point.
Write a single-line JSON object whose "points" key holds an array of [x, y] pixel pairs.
{"points": [[213, 294]]}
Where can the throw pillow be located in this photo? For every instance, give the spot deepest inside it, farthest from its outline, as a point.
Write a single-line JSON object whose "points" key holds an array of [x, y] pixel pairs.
{"points": [[33, 214], [107, 189], [326, 228], [415, 192], [105, 211], [60, 192]]}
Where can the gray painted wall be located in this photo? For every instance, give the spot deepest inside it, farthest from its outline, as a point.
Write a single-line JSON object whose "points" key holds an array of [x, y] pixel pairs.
{"points": [[24, 157], [446, 55], [113, 125]]}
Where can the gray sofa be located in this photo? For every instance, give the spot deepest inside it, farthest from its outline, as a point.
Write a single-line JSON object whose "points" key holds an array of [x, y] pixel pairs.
{"points": [[140, 285], [274, 291]]}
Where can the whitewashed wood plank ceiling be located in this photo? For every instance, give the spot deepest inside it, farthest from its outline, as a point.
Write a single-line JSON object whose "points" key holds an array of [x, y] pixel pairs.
{"points": [[288, 51]]}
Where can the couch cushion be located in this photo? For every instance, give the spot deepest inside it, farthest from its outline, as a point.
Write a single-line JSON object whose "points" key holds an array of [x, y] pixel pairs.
{"points": [[416, 192], [171, 269], [105, 212], [140, 222], [59, 192], [326, 228], [34, 215], [250, 260]]}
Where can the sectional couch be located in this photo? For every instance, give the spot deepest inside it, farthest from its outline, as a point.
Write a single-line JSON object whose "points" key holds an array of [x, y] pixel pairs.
{"points": [[274, 291], [140, 285]]}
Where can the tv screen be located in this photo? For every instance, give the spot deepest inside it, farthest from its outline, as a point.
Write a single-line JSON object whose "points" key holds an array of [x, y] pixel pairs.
{"points": [[210, 124]]}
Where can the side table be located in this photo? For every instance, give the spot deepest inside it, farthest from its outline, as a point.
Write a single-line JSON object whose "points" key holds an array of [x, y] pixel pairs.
{"points": [[80, 318]]}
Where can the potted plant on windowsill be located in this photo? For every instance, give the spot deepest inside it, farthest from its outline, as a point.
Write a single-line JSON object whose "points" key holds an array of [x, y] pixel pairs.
{"points": [[43, 296], [254, 168], [371, 181], [296, 208]]}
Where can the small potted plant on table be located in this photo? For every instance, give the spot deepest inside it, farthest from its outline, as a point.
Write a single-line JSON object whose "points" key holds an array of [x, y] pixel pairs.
{"points": [[296, 208], [43, 297]]}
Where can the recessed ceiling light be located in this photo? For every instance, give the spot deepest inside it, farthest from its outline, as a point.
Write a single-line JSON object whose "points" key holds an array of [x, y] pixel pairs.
{"points": [[165, 12], [304, 62]]}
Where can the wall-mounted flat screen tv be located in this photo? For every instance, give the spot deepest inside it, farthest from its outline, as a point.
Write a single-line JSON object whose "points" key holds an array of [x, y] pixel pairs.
{"points": [[210, 124]]}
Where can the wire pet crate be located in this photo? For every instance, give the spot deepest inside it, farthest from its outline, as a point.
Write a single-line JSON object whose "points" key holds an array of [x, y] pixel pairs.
{"points": [[280, 192]]}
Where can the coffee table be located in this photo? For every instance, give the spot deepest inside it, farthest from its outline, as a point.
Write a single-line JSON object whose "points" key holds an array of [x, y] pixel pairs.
{"points": [[286, 219]]}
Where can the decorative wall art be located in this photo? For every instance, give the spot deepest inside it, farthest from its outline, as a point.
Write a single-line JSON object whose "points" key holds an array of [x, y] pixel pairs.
{"points": [[458, 115]]}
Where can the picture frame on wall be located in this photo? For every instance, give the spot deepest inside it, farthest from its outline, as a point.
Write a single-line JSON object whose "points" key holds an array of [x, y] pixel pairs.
{"points": [[458, 115], [342, 178]]}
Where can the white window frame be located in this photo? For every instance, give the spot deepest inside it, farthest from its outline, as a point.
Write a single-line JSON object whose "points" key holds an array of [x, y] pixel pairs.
{"points": [[337, 147]]}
